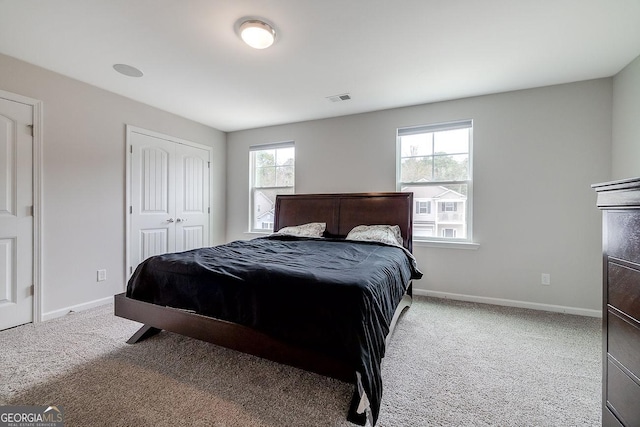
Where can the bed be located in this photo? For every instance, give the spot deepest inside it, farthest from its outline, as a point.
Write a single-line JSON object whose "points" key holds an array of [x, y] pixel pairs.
{"points": [[324, 304]]}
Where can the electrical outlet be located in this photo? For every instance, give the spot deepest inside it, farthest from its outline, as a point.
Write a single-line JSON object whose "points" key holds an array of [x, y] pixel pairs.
{"points": [[102, 275], [545, 279]]}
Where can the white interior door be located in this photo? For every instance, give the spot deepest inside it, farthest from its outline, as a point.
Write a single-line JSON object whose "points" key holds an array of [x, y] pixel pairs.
{"points": [[192, 197], [169, 196], [16, 213], [153, 211]]}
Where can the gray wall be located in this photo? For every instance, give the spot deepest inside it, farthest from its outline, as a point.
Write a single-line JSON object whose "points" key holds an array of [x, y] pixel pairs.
{"points": [[536, 152], [84, 179], [626, 122]]}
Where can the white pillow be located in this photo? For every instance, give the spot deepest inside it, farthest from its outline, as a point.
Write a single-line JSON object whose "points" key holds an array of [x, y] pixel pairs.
{"points": [[389, 234], [312, 229]]}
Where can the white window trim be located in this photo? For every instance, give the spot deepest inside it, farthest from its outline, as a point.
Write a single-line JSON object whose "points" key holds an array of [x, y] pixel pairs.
{"points": [[434, 241], [260, 147]]}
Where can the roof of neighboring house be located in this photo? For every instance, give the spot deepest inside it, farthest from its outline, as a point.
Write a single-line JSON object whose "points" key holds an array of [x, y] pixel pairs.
{"points": [[434, 192], [267, 214], [264, 196]]}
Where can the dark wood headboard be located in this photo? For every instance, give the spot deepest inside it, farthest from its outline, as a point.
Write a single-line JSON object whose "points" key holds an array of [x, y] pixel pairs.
{"points": [[343, 211]]}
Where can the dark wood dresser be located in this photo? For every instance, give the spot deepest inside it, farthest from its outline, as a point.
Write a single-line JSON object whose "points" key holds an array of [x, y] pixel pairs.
{"points": [[620, 203]]}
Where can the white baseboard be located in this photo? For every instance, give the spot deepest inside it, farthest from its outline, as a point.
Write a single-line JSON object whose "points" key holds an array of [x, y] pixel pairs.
{"points": [[510, 303], [424, 292], [78, 307]]}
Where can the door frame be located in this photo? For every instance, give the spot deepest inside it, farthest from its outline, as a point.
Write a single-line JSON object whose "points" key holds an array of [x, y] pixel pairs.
{"points": [[37, 107], [130, 129]]}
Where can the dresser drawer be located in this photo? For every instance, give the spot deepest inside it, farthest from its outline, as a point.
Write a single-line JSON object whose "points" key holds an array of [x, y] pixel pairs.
{"points": [[623, 235], [623, 342], [624, 289], [623, 395]]}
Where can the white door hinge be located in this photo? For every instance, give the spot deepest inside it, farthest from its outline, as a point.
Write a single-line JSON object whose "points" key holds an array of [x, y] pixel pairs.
{"points": [[30, 130]]}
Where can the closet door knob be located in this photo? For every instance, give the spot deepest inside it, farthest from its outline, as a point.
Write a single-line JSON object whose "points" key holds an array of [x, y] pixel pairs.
{"points": [[170, 220]]}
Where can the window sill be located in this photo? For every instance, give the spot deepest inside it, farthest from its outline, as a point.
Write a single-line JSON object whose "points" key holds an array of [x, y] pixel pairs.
{"points": [[258, 233], [446, 245]]}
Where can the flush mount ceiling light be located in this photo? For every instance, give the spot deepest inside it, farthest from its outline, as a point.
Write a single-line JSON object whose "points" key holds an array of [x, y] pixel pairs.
{"points": [[257, 34], [128, 70]]}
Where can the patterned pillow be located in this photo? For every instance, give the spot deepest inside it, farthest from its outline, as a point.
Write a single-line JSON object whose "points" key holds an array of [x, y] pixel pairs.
{"points": [[312, 229], [389, 234]]}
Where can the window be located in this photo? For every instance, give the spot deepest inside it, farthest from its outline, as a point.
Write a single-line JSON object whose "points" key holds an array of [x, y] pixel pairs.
{"points": [[449, 207], [449, 232], [422, 207], [272, 169], [434, 162]]}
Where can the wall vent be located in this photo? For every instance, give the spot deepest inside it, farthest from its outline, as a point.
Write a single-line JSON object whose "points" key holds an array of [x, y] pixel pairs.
{"points": [[339, 98]]}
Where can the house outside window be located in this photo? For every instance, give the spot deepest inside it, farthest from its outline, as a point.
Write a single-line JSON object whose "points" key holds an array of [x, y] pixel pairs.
{"points": [[435, 163], [272, 170]]}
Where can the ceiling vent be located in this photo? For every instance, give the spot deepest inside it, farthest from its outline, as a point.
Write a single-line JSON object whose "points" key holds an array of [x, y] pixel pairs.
{"points": [[339, 98]]}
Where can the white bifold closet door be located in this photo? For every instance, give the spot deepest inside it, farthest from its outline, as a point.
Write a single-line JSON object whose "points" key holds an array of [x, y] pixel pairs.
{"points": [[169, 196]]}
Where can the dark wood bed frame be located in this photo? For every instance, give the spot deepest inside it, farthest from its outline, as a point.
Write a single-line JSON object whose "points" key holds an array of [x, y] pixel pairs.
{"points": [[341, 212]]}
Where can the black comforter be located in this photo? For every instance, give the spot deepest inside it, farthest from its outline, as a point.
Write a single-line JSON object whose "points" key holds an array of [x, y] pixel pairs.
{"points": [[333, 296]]}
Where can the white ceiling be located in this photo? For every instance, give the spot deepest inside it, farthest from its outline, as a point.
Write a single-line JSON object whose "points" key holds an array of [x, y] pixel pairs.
{"points": [[384, 53]]}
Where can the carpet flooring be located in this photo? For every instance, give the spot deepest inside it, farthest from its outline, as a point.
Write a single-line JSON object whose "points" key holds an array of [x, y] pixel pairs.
{"points": [[450, 363]]}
